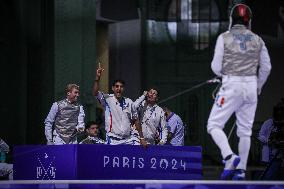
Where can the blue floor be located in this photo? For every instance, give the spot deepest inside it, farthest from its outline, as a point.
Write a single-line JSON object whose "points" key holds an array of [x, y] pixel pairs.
{"points": [[142, 184]]}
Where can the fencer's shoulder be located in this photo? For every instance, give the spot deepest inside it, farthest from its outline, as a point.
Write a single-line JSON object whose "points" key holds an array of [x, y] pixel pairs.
{"points": [[61, 102], [224, 33], [158, 108], [177, 117], [106, 96], [255, 35], [267, 123], [102, 94], [223, 36]]}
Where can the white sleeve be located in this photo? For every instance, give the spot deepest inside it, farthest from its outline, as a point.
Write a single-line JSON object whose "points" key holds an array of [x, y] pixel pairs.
{"points": [[264, 68], [216, 64], [102, 98], [49, 121], [265, 131], [138, 102]]}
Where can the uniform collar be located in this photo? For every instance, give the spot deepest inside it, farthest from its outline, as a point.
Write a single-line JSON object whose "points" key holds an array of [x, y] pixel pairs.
{"points": [[170, 116]]}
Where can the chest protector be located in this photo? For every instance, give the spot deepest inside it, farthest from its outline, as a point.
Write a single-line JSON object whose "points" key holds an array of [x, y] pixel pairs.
{"points": [[241, 52], [66, 120]]}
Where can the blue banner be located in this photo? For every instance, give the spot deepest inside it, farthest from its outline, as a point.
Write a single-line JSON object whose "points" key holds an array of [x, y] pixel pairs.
{"points": [[107, 162], [45, 162]]}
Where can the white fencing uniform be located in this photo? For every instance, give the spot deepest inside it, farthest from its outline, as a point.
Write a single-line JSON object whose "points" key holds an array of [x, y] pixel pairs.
{"points": [[152, 118], [66, 118], [118, 119], [239, 54]]}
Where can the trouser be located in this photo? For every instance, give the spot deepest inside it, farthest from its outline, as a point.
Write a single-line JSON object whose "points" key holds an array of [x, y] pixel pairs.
{"points": [[238, 94]]}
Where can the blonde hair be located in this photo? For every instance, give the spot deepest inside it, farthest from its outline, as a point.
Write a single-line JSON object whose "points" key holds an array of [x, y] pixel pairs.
{"points": [[70, 87]]}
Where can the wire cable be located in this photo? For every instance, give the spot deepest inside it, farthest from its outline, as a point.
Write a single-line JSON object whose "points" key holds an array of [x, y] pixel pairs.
{"points": [[210, 81]]}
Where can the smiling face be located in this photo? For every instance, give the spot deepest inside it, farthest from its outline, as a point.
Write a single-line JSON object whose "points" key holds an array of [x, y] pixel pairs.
{"points": [[152, 96], [118, 89], [73, 95]]}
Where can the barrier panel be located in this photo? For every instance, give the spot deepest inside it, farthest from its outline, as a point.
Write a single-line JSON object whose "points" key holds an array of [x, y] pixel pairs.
{"points": [[107, 162]]}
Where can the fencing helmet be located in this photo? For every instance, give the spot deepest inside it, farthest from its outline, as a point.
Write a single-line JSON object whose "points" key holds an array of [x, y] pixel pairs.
{"points": [[240, 14]]}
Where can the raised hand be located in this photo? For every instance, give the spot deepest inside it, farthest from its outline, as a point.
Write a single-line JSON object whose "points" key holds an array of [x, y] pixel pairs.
{"points": [[99, 70], [145, 93]]}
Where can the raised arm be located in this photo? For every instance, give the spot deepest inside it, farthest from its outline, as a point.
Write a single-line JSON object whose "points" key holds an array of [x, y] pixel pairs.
{"points": [[139, 101], [96, 85]]}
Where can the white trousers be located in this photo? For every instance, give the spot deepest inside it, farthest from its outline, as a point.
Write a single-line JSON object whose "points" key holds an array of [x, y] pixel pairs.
{"points": [[238, 94]]}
